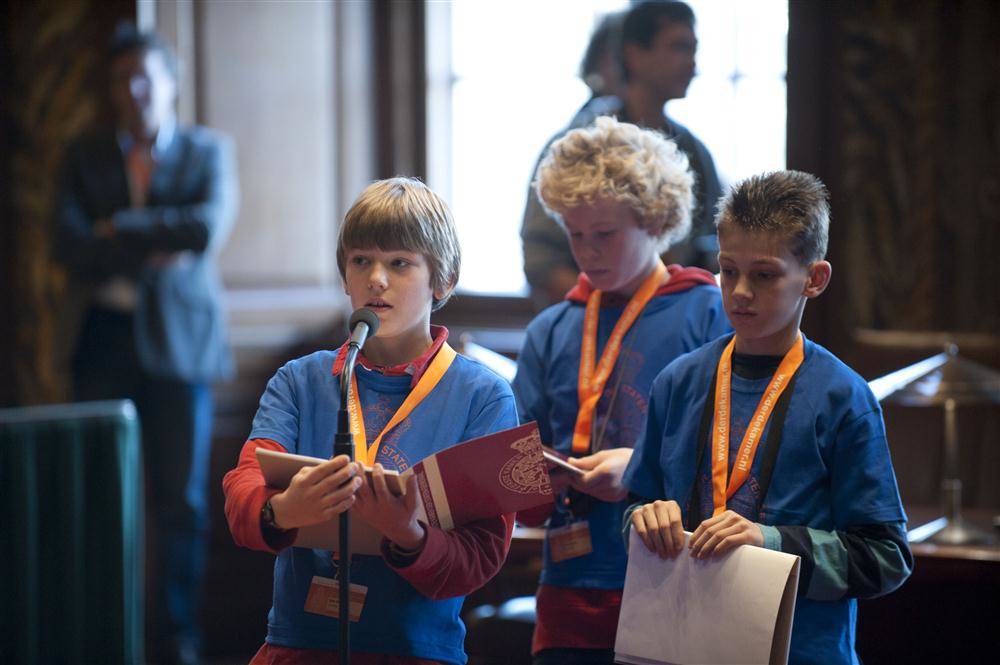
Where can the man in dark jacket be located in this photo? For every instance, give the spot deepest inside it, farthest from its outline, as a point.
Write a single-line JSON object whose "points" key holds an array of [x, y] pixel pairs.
{"points": [[143, 209]]}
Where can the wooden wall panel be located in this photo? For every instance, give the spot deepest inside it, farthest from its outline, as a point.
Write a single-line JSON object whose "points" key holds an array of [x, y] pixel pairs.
{"points": [[896, 106], [52, 90]]}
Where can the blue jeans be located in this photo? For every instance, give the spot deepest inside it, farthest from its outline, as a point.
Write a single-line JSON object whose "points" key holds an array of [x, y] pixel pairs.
{"points": [[176, 422]]}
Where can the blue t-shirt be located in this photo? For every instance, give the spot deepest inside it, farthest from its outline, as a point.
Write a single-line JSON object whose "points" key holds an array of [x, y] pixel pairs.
{"points": [[546, 391], [299, 411], [832, 469]]}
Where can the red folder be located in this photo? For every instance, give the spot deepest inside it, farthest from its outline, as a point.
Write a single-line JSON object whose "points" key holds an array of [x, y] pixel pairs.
{"points": [[503, 472]]}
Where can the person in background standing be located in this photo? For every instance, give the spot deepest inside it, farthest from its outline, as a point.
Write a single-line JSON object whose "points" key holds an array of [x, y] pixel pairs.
{"points": [[658, 47], [142, 211], [601, 67]]}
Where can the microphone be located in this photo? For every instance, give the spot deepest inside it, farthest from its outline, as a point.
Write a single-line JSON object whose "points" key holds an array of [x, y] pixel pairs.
{"points": [[363, 324]]}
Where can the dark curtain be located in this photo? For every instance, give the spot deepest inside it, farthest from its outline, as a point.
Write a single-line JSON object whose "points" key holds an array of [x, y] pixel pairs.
{"points": [[52, 88]]}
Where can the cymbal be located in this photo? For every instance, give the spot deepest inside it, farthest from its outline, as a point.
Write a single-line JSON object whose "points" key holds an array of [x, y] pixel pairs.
{"points": [[899, 340], [948, 377]]}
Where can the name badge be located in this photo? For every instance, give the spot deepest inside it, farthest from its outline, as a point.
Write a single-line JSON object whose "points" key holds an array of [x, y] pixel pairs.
{"points": [[570, 541], [324, 598]]}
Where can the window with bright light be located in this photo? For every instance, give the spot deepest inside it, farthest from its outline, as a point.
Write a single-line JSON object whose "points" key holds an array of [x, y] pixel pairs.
{"points": [[502, 80]]}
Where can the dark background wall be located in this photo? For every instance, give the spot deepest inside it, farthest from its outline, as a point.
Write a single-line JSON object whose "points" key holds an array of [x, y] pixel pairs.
{"points": [[52, 85], [896, 106]]}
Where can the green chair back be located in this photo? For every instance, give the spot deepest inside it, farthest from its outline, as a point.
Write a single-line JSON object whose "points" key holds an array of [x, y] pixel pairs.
{"points": [[71, 534]]}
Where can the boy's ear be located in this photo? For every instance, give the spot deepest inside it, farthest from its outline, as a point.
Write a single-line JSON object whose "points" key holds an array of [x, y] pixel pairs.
{"points": [[819, 278], [440, 294]]}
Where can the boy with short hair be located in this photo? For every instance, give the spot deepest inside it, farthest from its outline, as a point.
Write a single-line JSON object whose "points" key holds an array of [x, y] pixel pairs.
{"points": [[622, 194], [399, 256], [765, 438]]}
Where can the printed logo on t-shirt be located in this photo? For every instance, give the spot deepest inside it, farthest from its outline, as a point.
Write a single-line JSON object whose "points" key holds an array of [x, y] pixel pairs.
{"points": [[377, 415], [627, 403], [746, 501], [378, 412], [392, 457]]}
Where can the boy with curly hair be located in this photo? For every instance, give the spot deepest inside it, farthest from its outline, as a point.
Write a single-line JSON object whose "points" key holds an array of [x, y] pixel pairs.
{"points": [[622, 194]]}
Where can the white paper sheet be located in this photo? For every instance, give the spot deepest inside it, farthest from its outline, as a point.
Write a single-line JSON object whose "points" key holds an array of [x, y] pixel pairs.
{"points": [[724, 611]]}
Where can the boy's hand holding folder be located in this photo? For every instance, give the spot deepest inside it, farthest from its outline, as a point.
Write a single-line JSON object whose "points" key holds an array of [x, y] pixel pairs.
{"points": [[493, 475], [316, 493], [392, 513]]}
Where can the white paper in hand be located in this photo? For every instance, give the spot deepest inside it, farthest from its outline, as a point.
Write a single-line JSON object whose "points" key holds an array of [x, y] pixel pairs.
{"points": [[734, 609]]}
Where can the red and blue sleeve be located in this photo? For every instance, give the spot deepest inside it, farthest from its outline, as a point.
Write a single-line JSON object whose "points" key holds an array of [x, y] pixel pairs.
{"points": [[246, 492]]}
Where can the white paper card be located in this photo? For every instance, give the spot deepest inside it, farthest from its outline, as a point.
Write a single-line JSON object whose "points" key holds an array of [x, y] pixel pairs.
{"points": [[735, 609]]}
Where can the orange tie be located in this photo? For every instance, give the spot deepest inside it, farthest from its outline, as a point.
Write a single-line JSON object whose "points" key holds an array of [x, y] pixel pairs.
{"points": [[140, 171]]}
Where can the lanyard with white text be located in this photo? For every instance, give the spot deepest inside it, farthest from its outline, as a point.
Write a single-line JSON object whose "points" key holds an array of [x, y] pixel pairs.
{"points": [[720, 424], [362, 451], [592, 378]]}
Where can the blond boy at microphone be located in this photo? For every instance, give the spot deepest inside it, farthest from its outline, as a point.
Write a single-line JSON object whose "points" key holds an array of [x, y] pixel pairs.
{"points": [[623, 195], [398, 254], [765, 438]]}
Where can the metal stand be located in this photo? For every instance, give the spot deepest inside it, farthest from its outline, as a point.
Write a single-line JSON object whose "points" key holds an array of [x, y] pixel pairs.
{"points": [[343, 444], [955, 531], [945, 380]]}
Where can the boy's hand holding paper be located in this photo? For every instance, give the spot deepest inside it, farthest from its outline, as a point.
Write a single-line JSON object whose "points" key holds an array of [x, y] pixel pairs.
{"points": [[723, 532], [672, 609], [660, 527]]}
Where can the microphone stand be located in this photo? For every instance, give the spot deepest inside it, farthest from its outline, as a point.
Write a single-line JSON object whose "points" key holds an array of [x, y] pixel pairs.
{"points": [[343, 444]]}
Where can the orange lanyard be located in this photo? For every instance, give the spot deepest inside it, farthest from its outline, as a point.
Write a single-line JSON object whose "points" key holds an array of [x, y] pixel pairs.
{"points": [[720, 425], [592, 378], [362, 451]]}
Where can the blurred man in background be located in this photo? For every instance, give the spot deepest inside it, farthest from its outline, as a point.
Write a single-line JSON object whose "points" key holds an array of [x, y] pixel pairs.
{"points": [[143, 209], [601, 67], [658, 47]]}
